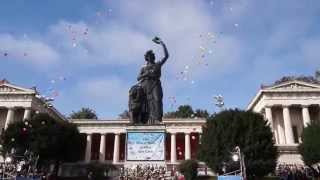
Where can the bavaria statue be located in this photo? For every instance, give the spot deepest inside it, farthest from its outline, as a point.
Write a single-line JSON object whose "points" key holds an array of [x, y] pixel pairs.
{"points": [[145, 98]]}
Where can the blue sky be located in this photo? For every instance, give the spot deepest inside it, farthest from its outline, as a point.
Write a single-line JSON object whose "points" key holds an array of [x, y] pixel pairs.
{"points": [[87, 53]]}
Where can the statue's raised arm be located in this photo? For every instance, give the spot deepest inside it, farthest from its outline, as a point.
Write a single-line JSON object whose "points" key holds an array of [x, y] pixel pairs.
{"points": [[166, 54]]}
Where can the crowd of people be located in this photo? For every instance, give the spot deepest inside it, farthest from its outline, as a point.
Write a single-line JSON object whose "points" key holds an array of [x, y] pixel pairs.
{"points": [[145, 172], [7, 170], [297, 172], [19, 172]]}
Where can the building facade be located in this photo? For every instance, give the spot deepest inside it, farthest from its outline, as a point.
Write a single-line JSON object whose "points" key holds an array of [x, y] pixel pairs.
{"points": [[288, 107], [17, 104], [106, 139]]}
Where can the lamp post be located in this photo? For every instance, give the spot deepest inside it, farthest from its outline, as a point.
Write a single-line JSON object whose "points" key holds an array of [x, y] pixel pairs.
{"points": [[237, 156]]}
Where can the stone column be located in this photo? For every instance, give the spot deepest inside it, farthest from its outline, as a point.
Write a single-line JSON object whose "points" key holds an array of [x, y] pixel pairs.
{"points": [[287, 125], [27, 114], [187, 146], [88, 148], [280, 131], [116, 148], [305, 116], [102, 150], [173, 153], [269, 116], [270, 120], [10, 117]]}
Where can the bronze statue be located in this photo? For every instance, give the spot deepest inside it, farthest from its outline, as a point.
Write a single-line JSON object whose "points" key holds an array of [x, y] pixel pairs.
{"points": [[145, 98]]}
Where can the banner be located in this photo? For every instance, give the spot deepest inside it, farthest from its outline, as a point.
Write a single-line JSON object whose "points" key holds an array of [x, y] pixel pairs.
{"points": [[145, 146]]}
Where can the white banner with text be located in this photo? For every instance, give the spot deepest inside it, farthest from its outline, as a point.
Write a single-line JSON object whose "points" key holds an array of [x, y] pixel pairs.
{"points": [[144, 146]]}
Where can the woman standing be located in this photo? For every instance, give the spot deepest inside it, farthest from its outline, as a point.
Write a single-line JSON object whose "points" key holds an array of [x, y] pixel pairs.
{"points": [[149, 79]]}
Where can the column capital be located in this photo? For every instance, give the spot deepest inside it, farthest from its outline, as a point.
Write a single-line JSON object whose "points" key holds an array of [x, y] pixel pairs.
{"points": [[285, 105], [304, 105], [11, 108], [268, 106]]}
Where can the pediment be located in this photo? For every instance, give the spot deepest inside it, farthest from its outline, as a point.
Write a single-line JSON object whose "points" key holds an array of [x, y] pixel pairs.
{"points": [[294, 85], [9, 88]]}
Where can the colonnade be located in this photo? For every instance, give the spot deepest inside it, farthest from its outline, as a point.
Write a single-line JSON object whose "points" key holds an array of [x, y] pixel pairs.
{"points": [[284, 134], [116, 148], [11, 114]]}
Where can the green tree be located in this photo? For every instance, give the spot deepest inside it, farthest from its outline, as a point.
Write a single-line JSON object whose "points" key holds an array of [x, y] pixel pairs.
{"points": [[84, 113], [201, 113], [184, 111], [308, 79], [246, 129], [52, 140], [310, 146], [124, 115], [189, 169]]}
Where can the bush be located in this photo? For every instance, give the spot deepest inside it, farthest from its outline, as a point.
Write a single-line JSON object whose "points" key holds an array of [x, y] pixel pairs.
{"points": [[99, 171], [310, 146], [189, 169]]}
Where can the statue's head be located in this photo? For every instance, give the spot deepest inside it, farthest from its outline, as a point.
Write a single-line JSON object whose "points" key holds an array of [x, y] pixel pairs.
{"points": [[149, 56]]}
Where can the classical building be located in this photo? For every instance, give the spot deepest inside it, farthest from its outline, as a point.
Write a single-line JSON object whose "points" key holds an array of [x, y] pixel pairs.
{"points": [[106, 139], [17, 104], [288, 106]]}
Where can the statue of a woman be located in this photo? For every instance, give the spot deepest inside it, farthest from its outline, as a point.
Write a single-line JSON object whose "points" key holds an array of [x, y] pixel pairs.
{"points": [[149, 79]]}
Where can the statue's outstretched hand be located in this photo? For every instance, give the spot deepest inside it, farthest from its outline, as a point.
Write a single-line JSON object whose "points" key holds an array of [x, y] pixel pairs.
{"points": [[157, 40]]}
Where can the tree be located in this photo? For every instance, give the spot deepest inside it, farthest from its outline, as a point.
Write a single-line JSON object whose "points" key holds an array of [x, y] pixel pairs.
{"points": [[184, 111], [308, 79], [52, 140], [124, 115], [84, 113], [310, 146], [201, 113], [246, 129], [189, 169]]}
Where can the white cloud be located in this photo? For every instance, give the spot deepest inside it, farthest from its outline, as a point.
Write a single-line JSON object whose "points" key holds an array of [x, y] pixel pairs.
{"points": [[109, 90], [28, 50], [124, 40]]}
